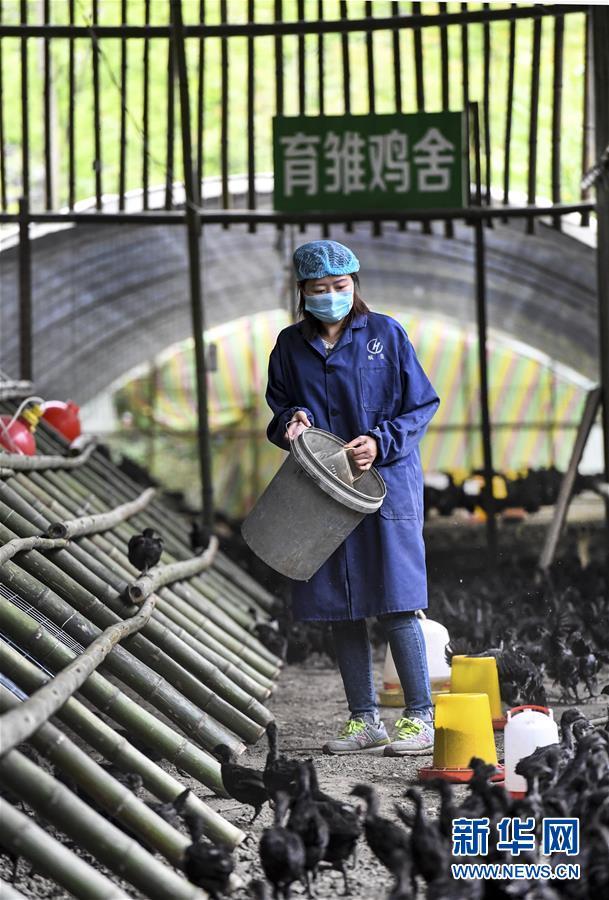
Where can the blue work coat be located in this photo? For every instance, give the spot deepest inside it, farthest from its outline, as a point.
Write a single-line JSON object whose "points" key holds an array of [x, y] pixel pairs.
{"points": [[370, 383]]}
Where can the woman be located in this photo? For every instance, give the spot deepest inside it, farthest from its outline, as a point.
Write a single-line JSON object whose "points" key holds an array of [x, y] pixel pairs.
{"points": [[354, 373]]}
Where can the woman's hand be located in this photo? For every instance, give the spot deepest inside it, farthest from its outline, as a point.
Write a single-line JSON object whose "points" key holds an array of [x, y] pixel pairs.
{"points": [[297, 425], [364, 451]]}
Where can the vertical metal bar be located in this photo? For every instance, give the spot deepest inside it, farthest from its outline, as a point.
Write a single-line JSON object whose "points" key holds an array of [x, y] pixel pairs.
{"points": [[71, 105], [251, 147], [97, 162], [200, 106], [370, 61], [170, 152], [397, 61], [418, 61], [48, 122], [481, 319], [325, 228], [25, 111], [465, 60], [534, 122], [301, 60], [224, 111], [486, 36], [346, 61], [320, 59], [146, 113], [509, 103], [279, 95], [588, 136], [25, 291], [559, 33], [448, 225], [346, 75], [377, 228], [419, 80], [3, 190], [600, 32], [122, 166], [194, 261]]}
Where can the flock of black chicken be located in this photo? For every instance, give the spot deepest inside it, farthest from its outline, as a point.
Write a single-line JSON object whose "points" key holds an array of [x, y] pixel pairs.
{"points": [[313, 831]]}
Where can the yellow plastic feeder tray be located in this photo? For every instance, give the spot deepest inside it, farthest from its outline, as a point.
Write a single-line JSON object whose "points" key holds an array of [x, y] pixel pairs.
{"points": [[478, 674], [463, 728]]}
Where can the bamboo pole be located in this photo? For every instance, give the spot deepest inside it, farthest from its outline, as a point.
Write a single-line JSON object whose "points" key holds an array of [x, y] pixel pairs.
{"points": [[162, 575], [8, 892], [18, 463], [35, 580], [103, 522], [18, 545], [19, 724], [101, 469], [111, 846], [21, 835], [119, 538], [117, 749], [235, 708], [92, 481], [109, 793], [23, 501], [111, 700]]}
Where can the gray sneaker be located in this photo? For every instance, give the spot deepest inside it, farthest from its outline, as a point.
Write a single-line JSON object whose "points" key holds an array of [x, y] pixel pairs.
{"points": [[413, 737], [359, 736]]}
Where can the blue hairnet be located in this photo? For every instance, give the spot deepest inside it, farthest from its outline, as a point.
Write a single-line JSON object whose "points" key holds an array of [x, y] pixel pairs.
{"points": [[320, 258]]}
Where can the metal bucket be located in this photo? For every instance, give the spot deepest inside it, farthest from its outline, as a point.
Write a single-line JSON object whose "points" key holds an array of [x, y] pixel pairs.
{"points": [[312, 504]]}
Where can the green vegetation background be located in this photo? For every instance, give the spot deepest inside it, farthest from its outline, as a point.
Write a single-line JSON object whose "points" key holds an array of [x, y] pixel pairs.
{"points": [[110, 13]]}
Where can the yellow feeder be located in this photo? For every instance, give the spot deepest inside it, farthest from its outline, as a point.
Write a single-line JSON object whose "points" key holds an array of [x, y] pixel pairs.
{"points": [[478, 674], [463, 729]]}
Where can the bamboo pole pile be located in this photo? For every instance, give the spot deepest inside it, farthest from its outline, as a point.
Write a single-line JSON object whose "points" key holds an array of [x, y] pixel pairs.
{"points": [[187, 673]]}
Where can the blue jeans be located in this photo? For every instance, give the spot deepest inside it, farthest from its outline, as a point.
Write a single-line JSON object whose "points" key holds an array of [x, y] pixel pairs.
{"points": [[353, 651]]}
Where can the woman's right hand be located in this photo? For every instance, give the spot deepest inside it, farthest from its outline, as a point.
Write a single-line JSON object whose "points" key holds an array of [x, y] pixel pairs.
{"points": [[297, 425]]}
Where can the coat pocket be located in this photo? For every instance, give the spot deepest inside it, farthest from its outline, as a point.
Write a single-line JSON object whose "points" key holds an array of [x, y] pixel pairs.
{"points": [[401, 500], [379, 387]]}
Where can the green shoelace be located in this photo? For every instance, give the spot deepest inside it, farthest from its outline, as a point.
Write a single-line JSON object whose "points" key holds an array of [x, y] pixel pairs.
{"points": [[353, 726], [407, 728]]}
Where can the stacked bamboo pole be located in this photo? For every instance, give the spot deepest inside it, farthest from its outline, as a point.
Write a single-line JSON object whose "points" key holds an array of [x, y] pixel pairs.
{"points": [[68, 813], [86, 568], [37, 579], [64, 532], [115, 748], [111, 700], [102, 576], [23, 837], [109, 793]]}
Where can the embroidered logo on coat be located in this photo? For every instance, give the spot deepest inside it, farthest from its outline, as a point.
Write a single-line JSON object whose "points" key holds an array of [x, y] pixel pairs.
{"points": [[374, 346]]}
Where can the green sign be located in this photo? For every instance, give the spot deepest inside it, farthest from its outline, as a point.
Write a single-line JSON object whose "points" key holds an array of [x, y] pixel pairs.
{"points": [[369, 162]]}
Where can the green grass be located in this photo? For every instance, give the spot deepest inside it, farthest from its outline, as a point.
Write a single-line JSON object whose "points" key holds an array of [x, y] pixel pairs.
{"points": [[265, 92]]}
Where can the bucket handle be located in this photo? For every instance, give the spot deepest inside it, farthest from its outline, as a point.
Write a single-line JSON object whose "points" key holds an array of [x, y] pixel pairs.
{"points": [[517, 709], [355, 477]]}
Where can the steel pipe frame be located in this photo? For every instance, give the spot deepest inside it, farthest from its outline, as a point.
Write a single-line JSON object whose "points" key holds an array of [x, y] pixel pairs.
{"points": [[300, 27]]}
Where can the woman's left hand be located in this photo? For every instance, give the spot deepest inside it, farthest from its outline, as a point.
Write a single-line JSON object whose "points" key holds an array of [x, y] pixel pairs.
{"points": [[364, 451]]}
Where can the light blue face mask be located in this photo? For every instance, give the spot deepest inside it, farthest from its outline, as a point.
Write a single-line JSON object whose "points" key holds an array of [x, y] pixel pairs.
{"points": [[330, 307]]}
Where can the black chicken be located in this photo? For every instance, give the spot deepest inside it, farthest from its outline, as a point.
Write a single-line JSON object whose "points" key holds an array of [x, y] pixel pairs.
{"points": [[172, 811], [280, 773], [344, 827], [199, 537], [144, 550], [388, 842], [282, 852], [429, 851], [242, 783], [205, 864], [307, 820]]}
